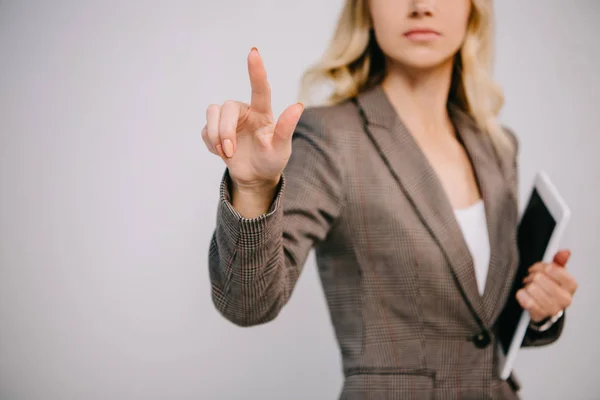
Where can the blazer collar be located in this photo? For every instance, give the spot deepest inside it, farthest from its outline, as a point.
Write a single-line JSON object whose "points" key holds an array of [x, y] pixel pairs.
{"points": [[422, 187]]}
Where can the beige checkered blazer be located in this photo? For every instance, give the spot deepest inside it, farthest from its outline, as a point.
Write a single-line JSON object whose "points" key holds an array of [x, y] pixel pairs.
{"points": [[398, 276]]}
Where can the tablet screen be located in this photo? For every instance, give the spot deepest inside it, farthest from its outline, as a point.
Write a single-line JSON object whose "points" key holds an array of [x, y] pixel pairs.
{"points": [[533, 236]]}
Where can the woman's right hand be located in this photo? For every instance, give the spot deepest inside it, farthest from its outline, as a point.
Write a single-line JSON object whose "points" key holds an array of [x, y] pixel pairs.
{"points": [[254, 147]]}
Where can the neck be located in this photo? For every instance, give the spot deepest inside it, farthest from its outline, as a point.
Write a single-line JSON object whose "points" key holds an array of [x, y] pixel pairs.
{"points": [[420, 97]]}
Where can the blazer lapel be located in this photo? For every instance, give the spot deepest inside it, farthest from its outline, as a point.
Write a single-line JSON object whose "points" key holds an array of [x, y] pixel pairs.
{"points": [[493, 191], [422, 187]]}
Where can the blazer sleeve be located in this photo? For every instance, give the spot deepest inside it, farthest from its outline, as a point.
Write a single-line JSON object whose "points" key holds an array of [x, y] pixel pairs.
{"points": [[254, 264], [532, 338]]}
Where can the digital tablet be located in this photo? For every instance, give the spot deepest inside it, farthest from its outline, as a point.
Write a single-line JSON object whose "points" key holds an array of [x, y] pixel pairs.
{"points": [[540, 231]]}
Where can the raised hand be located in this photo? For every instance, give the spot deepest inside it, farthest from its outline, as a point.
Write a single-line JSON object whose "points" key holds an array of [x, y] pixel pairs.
{"points": [[254, 146]]}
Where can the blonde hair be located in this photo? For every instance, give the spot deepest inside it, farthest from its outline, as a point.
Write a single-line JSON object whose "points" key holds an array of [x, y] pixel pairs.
{"points": [[354, 63]]}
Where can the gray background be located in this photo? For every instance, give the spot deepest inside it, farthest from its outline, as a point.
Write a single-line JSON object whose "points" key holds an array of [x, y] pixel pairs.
{"points": [[108, 196]]}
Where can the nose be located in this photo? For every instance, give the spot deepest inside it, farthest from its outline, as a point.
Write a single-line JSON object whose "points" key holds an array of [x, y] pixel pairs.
{"points": [[422, 8]]}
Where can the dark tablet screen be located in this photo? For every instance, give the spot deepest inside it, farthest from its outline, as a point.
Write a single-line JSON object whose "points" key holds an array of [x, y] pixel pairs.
{"points": [[534, 232]]}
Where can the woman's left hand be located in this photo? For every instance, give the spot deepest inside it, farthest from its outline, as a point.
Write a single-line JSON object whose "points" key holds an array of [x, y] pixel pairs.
{"points": [[549, 288]]}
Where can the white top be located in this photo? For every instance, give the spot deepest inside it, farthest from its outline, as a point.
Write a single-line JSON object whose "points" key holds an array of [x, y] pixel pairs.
{"points": [[473, 223]]}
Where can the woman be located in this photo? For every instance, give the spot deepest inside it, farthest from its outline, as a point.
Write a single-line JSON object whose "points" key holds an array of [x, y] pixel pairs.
{"points": [[406, 187]]}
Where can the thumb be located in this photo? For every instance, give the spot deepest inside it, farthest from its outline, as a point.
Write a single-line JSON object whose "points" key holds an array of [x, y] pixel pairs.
{"points": [[562, 257], [286, 124]]}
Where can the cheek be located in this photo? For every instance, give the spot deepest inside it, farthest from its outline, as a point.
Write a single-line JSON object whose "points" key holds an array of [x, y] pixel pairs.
{"points": [[388, 35], [456, 22], [454, 34], [387, 17], [455, 38]]}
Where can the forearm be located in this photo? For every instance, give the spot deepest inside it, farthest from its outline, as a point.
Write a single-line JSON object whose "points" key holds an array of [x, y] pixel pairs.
{"points": [[246, 260], [251, 298], [262, 241]]}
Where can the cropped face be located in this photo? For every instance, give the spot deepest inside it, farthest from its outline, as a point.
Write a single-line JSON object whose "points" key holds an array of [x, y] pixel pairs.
{"points": [[420, 34]]}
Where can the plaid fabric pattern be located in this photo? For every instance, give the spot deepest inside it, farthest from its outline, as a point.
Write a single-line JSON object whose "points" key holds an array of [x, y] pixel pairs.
{"points": [[397, 274]]}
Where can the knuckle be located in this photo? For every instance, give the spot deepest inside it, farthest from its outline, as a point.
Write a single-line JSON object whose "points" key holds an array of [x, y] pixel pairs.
{"points": [[230, 104], [225, 130], [213, 108], [214, 141], [532, 287], [212, 136], [536, 290], [212, 129]]}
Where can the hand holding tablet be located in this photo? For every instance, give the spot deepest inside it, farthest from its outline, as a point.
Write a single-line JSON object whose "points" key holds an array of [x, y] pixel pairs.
{"points": [[548, 288], [542, 287]]}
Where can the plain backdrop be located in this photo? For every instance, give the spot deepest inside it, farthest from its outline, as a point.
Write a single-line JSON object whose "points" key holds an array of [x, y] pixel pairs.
{"points": [[108, 196]]}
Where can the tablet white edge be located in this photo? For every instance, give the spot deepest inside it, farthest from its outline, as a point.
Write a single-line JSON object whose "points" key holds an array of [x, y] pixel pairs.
{"points": [[561, 214]]}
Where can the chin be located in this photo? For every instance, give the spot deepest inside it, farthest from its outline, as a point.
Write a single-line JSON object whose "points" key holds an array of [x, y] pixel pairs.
{"points": [[423, 59]]}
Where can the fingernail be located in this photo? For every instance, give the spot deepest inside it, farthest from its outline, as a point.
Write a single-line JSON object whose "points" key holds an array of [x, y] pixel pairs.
{"points": [[301, 105], [254, 49], [228, 148]]}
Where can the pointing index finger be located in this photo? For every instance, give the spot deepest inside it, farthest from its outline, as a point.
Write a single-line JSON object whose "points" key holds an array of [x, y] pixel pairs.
{"points": [[261, 91]]}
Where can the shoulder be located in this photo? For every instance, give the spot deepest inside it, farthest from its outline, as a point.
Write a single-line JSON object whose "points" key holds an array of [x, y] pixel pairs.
{"points": [[324, 134], [325, 121]]}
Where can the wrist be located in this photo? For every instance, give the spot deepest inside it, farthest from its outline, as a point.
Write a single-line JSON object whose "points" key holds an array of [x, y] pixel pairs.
{"points": [[256, 188], [546, 323], [254, 200]]}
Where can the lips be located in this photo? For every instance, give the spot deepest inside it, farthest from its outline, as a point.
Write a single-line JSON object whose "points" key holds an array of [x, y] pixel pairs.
{"points": [[421, 34]]}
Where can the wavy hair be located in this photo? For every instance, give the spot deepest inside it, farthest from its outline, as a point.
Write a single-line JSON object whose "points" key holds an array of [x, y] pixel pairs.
{"points": [[354, 63]]}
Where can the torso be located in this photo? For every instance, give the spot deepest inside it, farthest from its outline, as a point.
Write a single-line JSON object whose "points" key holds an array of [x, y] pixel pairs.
{"points": [[450, 161], [400, 283]]}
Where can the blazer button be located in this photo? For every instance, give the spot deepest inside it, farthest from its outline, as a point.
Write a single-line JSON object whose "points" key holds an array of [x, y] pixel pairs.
{"points": [[482, 340]]}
